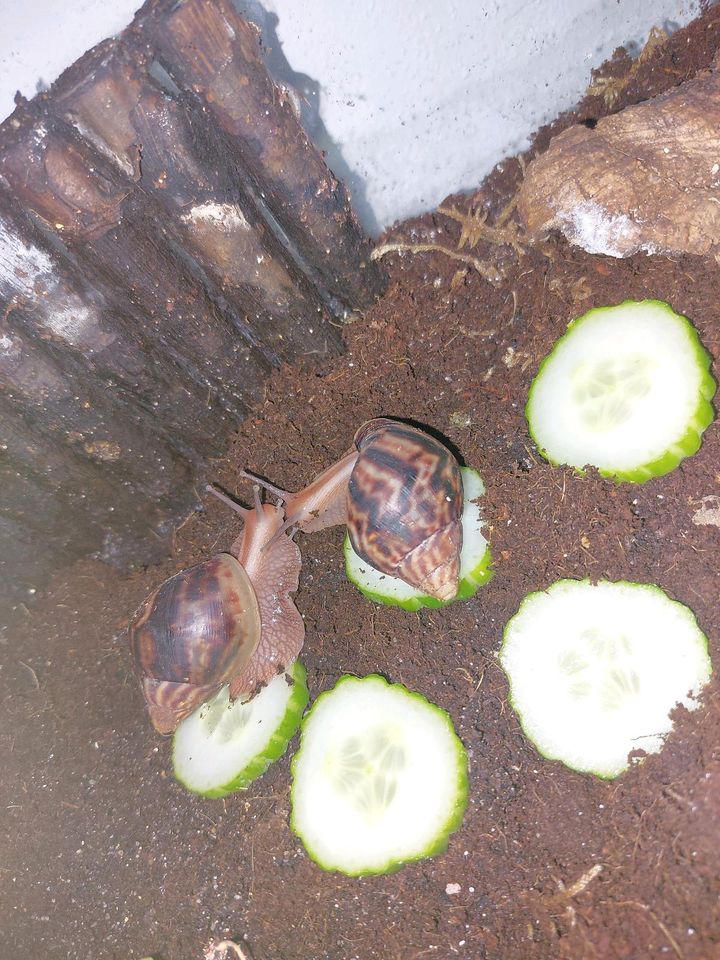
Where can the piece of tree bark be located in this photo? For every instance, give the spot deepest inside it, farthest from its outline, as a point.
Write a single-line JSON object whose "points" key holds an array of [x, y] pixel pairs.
{"points": [[29, 500], [112, 100], [24, 565], [103, 516], [112, 233], [103, 423], [214, 56], [645, 179], [160, 251], [104, 332], [113, 424]]}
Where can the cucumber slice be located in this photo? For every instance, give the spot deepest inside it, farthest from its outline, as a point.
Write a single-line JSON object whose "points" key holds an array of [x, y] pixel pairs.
{"points": [[475, 560], [627, 389], [596, 669], [224, 746], [380, 778]]}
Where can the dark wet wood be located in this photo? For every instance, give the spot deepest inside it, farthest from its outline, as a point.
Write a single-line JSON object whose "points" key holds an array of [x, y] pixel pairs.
{"points": [[214, 57], [61, 502], [117, 105], [163, 245], [118, 342], [121, 242]]}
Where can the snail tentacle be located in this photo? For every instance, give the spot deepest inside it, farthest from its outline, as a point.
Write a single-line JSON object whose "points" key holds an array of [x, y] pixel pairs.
{"points": [[322, 503]]}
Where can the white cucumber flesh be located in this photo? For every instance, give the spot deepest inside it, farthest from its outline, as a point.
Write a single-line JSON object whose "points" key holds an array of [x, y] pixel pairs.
{"points": [[595, 670], [627, 389], [224, 746], [380, 778], [475, 560]]}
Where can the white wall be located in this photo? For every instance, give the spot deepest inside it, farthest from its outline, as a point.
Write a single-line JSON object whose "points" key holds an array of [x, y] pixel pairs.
{"points": [[411, 99]]}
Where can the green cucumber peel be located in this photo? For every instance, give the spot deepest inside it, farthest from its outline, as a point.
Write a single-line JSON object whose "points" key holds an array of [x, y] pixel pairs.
{"points": [[274, 746], [436, 838], [684, 443]]}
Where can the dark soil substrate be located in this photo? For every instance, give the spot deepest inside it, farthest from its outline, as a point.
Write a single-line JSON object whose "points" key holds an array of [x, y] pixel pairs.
{"points": [[104, 855]]}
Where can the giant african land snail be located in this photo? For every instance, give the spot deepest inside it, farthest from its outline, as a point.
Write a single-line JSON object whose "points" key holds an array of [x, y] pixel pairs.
{"points": [[229, 620], [401, 495]]}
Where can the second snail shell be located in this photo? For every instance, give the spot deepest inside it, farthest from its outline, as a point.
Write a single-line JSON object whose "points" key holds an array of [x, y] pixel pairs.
{"points": [[404, 506]]}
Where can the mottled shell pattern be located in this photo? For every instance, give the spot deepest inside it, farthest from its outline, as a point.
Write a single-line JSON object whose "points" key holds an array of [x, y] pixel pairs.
{"points": [[233, 621], [405, 500], [193, 634]]}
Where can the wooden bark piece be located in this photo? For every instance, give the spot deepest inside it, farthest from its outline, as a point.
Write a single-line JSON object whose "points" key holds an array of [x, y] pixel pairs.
{"points": [[28, 499], [646, 178], [56, 508], [106, 425], [209, 50], [103, 333], [112, 231], [25, 565], [110, 99], [111, 431], [146, 286]]}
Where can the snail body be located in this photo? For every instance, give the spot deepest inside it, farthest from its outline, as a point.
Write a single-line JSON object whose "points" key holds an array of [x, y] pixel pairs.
{"points": [[400, 493], [229, 619]]}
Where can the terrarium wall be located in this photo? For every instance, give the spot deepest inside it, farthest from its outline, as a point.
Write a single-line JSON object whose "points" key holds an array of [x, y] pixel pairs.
{"points": [[411, 101]]}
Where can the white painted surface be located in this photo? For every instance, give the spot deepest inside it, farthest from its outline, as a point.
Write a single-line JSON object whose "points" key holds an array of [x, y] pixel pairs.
{"points": [[40, 38], [416, 98]]}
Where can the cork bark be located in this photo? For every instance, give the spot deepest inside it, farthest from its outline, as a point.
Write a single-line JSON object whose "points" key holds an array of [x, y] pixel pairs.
{"points": [[644, 179], [164, 244]]}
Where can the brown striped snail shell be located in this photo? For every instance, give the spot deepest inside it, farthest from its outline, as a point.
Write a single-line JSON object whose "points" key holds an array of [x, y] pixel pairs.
{"points": [[196, 632], [404, 506], [227, 620], [400, 492]]}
